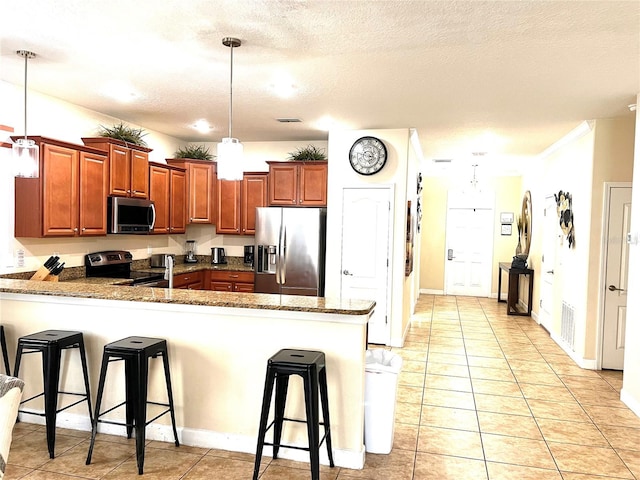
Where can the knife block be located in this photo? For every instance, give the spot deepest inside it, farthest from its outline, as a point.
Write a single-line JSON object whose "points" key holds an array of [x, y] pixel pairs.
{"points": [[41, 274]]}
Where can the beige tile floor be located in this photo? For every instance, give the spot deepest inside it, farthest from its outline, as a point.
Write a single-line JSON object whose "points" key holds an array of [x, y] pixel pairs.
{"points": [[481, 395]]}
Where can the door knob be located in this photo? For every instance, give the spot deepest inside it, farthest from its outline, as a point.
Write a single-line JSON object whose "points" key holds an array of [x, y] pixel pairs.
{"points": [[347, 272], [613, 288]]}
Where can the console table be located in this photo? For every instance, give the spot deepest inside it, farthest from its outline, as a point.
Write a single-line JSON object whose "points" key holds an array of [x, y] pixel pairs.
{"points": [[514, 288]]}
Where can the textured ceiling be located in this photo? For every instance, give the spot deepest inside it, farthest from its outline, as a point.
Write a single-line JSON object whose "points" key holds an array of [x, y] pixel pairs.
{"points": [[506, 77]]}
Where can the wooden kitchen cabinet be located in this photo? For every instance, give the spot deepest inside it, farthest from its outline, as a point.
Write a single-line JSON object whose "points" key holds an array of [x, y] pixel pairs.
{"points": [[128, 166], [70, 196], [168, 189], [190, 281], [237, 201], [298, 184], [200, 188], [231, 281]]}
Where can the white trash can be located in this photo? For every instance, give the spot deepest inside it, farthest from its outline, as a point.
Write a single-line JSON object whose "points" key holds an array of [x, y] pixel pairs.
{"points": [[381, 385]]}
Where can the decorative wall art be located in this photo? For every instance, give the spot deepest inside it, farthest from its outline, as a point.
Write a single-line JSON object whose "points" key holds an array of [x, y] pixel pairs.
{"points": [[565, 214]]}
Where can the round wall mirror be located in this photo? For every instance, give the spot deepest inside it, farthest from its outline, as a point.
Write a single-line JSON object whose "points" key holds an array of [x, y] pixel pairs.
{"points": [[525, 238]]}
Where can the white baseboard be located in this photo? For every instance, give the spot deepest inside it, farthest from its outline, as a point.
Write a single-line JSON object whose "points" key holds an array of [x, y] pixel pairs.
{"points": [[430, 291], [630, 401], [586, 363], [204, 439]]}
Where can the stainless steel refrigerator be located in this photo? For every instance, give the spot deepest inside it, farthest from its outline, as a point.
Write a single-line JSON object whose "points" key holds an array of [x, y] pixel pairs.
{"points": [[290, 250]]}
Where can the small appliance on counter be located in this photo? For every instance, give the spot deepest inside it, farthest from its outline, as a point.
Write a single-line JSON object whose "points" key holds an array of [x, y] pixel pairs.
{"points": [[218, 256], [248, 255], [160, 259], [190, 252]]}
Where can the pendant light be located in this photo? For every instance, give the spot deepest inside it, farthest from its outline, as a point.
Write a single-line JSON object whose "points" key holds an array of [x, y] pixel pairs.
{"points": [[26, 154], [230, 150]]}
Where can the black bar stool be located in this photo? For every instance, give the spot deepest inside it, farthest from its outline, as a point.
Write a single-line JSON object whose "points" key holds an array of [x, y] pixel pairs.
{"points": [[135, 351], [3, 347], [51, 343], [310, 366]]}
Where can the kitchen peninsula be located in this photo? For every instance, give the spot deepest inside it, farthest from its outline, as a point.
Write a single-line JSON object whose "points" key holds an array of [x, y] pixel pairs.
{"points": [[219, 344]]}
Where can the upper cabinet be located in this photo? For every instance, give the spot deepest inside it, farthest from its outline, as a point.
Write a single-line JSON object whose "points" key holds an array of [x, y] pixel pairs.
{"points": [[237, 202], [70, 196], [200, 184], [168, 190], [298, 184], [128, 166]]}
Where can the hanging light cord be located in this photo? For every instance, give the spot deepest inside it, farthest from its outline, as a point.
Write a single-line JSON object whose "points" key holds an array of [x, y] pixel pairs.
{"points": [[26, 61], [26, 54], [231, 93]]}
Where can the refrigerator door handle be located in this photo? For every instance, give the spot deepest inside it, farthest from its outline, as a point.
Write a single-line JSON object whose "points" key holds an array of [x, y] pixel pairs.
{"points": [[279, 256], [283, 265]]}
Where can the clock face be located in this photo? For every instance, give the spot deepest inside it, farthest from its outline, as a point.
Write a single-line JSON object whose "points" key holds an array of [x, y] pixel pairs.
{"points": [[368, 155]]}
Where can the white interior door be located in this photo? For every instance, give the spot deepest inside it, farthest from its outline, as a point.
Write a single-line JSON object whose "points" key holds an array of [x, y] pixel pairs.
{"points": [[617, 263], [469, 251], [366, 230], [550, 236]]}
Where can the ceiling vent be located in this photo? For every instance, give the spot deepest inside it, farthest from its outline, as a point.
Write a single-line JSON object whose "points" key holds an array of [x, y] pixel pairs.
{"points": [[441, 160], [289, 120]]}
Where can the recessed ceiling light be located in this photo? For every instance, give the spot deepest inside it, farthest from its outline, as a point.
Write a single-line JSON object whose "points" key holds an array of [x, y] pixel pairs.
{"points": [[202, 126], [120, 91], [282, 84]]}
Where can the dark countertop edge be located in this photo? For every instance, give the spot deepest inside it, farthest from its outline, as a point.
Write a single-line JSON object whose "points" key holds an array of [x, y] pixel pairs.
{"points": [[186, 297]]}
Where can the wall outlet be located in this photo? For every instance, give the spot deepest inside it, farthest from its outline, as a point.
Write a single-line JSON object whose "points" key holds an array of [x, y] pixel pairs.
{"points": [[20, 258], [149, 249]]}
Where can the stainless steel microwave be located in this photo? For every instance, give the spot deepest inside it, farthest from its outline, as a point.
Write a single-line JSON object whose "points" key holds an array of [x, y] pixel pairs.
{"points": [[130, 215]]}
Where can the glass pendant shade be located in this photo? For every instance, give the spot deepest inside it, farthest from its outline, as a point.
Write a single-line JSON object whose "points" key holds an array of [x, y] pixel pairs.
{"points": [[26, 158], [230, 153]]}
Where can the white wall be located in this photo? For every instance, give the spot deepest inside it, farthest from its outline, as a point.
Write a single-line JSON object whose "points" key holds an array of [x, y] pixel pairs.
{"points": [[631, 385], [400, 171]]}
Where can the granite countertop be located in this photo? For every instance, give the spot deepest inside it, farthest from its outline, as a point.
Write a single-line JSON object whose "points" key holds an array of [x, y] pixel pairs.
{"points": [[106, 289]]}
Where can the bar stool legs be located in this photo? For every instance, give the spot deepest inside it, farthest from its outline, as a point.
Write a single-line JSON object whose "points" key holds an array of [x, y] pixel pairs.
{"points": [[310, 366], [51, 343], [3, 347], [135, 352]]}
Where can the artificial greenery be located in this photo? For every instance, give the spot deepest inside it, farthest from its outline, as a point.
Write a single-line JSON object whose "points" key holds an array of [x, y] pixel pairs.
{"points": [[125, 133], [198, 152], [308, 153]]}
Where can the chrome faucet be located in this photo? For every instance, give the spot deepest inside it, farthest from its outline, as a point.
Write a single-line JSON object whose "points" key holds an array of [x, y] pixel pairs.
{"points": [[168, 269]]}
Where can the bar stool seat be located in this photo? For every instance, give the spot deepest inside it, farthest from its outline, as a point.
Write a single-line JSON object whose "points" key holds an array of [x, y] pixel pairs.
{"points": [[311, 366], [136, 352], [51, 343]]}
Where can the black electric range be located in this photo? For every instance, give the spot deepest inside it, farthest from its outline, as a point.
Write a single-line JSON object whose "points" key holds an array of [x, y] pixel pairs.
{"points": [[117, 264]]}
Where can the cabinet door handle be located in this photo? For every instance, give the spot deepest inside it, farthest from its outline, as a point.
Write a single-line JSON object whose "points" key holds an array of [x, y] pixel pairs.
{"points": [[83, 229], [75, 229], [233, 276]]}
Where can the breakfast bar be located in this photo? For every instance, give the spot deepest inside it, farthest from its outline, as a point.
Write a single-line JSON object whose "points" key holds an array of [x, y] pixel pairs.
{"points": [[218, 343]]}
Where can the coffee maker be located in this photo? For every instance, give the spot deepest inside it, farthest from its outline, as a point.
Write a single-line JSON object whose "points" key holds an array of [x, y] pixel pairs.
{"points": [[248, 255], [190, 252]]}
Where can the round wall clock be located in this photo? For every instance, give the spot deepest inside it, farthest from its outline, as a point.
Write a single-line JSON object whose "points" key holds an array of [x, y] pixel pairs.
{"points": [[368, 155]]}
